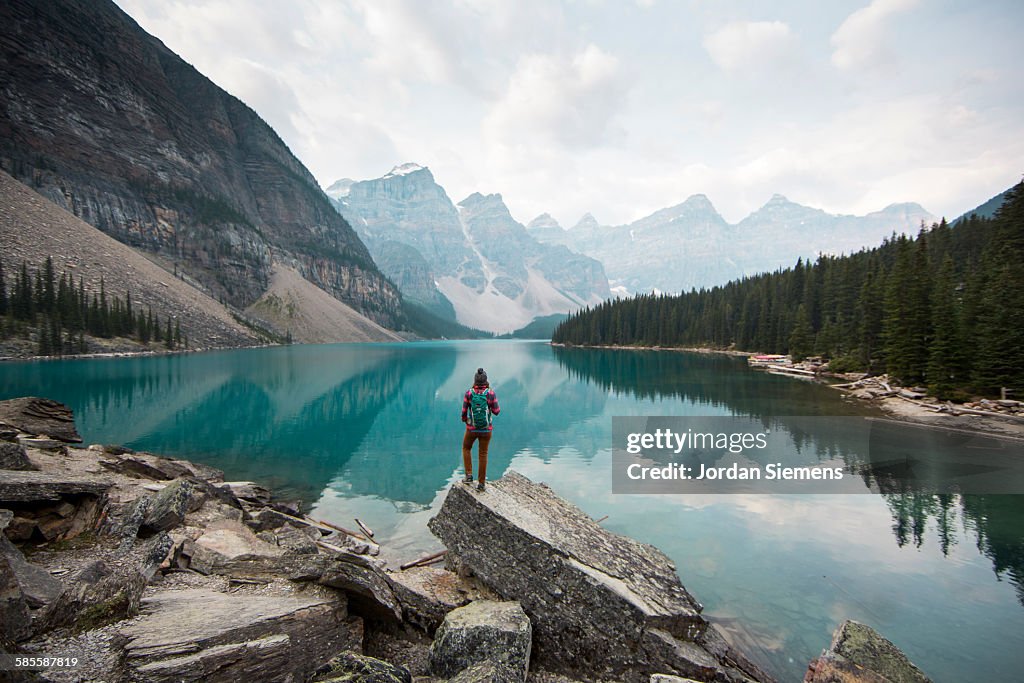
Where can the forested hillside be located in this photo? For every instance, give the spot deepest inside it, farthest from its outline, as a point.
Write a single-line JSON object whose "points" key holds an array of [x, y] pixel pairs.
{"points": [[944, 309]]}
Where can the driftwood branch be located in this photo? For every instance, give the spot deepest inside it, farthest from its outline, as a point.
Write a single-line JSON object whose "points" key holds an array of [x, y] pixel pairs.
{"points": [[366, 530], [350, 532], [428, 559]]}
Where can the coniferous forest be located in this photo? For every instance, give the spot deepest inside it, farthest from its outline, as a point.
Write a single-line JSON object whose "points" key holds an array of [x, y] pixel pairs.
{"points": [[58, 314], [944, 309]]}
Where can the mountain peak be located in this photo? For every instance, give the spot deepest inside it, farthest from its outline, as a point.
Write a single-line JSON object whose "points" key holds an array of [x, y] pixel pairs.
{"points": [[778, 199], [699, 201], [340, 188], [587, 221], [405, 169], [476, 199], [545, 220]]}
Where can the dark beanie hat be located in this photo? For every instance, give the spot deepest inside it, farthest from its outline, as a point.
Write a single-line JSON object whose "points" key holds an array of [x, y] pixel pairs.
{"points": [[481, 377]]}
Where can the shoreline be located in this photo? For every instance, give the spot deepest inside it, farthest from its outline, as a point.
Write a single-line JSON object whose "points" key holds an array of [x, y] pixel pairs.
{"points": [[896, 407]]}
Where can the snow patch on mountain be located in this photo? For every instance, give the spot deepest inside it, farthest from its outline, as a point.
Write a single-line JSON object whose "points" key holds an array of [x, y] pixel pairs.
{"points": [[404, 169]]}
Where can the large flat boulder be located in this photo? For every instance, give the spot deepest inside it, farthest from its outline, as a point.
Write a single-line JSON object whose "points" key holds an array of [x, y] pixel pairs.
{"points": [[34, 415], [859, 654], [38, 487], [202, 635], [598, 601], [482, 632], [223, 543], [427, 594]]}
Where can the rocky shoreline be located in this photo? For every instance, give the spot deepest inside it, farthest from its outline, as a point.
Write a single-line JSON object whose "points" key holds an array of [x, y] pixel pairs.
{"points": [[144, 568]]}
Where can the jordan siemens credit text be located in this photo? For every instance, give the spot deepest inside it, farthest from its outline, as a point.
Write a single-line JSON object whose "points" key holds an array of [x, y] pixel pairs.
{"points": [[668, 440]]}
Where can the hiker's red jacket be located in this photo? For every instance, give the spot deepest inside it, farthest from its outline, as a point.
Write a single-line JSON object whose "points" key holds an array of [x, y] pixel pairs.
{"points": [[492, 404]]}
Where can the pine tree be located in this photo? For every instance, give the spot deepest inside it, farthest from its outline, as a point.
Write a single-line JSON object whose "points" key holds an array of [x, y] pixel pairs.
{"points": [[800, 338], [945, 363], [49, 281]]}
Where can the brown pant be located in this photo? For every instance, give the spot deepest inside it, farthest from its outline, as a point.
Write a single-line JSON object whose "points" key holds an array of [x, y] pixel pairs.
{"points": [[467, 452]]}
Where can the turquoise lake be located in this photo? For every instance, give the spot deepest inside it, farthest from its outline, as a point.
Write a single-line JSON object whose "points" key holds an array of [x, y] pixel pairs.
{"points": [[373, 431]]}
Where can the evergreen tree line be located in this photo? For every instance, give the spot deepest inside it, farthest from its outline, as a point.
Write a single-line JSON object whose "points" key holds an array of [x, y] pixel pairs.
{"points": [[59, 313], [944, 309]]}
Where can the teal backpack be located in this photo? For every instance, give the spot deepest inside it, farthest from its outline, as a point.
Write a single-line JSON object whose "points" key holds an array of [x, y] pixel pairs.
{"points": [[479, 410]]}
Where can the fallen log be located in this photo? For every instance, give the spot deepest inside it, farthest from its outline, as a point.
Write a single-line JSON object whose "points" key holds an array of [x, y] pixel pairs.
{"points": [[427, 559], [366, 530], [353, 534]]}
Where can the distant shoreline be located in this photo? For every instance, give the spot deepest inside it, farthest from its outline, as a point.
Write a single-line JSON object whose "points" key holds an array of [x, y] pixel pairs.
{"points": [[893, 407]]}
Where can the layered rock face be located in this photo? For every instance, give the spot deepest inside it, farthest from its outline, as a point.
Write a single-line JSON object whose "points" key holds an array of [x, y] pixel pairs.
{"points": [[690, 245], [474, 259], [597, 601], [104, 120]]}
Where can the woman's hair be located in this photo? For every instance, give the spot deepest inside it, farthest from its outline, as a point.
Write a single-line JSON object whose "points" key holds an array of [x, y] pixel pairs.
{"points": [[481, 377]]}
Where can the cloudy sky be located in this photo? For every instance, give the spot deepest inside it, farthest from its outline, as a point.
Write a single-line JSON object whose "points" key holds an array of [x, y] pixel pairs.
{"points": [[621, 108]]}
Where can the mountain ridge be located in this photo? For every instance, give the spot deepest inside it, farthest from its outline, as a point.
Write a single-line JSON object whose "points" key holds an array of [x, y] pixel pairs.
{"points": [[690, 245], [106, 121], [470, 261]]}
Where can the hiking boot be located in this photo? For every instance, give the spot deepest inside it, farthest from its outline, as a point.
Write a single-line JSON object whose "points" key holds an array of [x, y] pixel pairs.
{"points": [[468, 479], [481, 487]]}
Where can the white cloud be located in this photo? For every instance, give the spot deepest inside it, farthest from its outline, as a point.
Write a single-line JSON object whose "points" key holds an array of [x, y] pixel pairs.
{"points": [[602, 107], [568, 101], [749, 44], [861, 39]]}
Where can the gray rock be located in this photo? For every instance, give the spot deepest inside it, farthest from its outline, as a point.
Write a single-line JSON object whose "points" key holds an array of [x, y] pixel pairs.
{"points": [[427, 594], [249, 491], [15, 622], [201, 635], [37, 487], [487, 672], [37, 585], [180, 497], [43, 444], [300, 541], [224, 543], [151, 467], [350, 667], [266, 520], [40, 416], [6, 517], [665, 678], [14, 457], [103, 592], [126, 526], [20, 529], [859, 654], [599, 602], [8, 433], [365, 582], [483, 631]]}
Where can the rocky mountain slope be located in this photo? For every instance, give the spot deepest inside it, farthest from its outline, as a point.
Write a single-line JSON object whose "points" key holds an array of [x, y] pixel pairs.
{"points": [[690, 245], [33, 228], [311, 315], [473, 260], [104, 120]]}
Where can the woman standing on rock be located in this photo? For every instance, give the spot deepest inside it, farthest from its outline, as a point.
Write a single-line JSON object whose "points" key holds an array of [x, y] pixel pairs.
{"points": [[478, 405]]}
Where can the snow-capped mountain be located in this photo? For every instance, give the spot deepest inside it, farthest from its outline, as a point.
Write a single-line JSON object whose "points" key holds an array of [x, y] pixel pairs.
{"points": [[477, 263], [690, 245]]}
